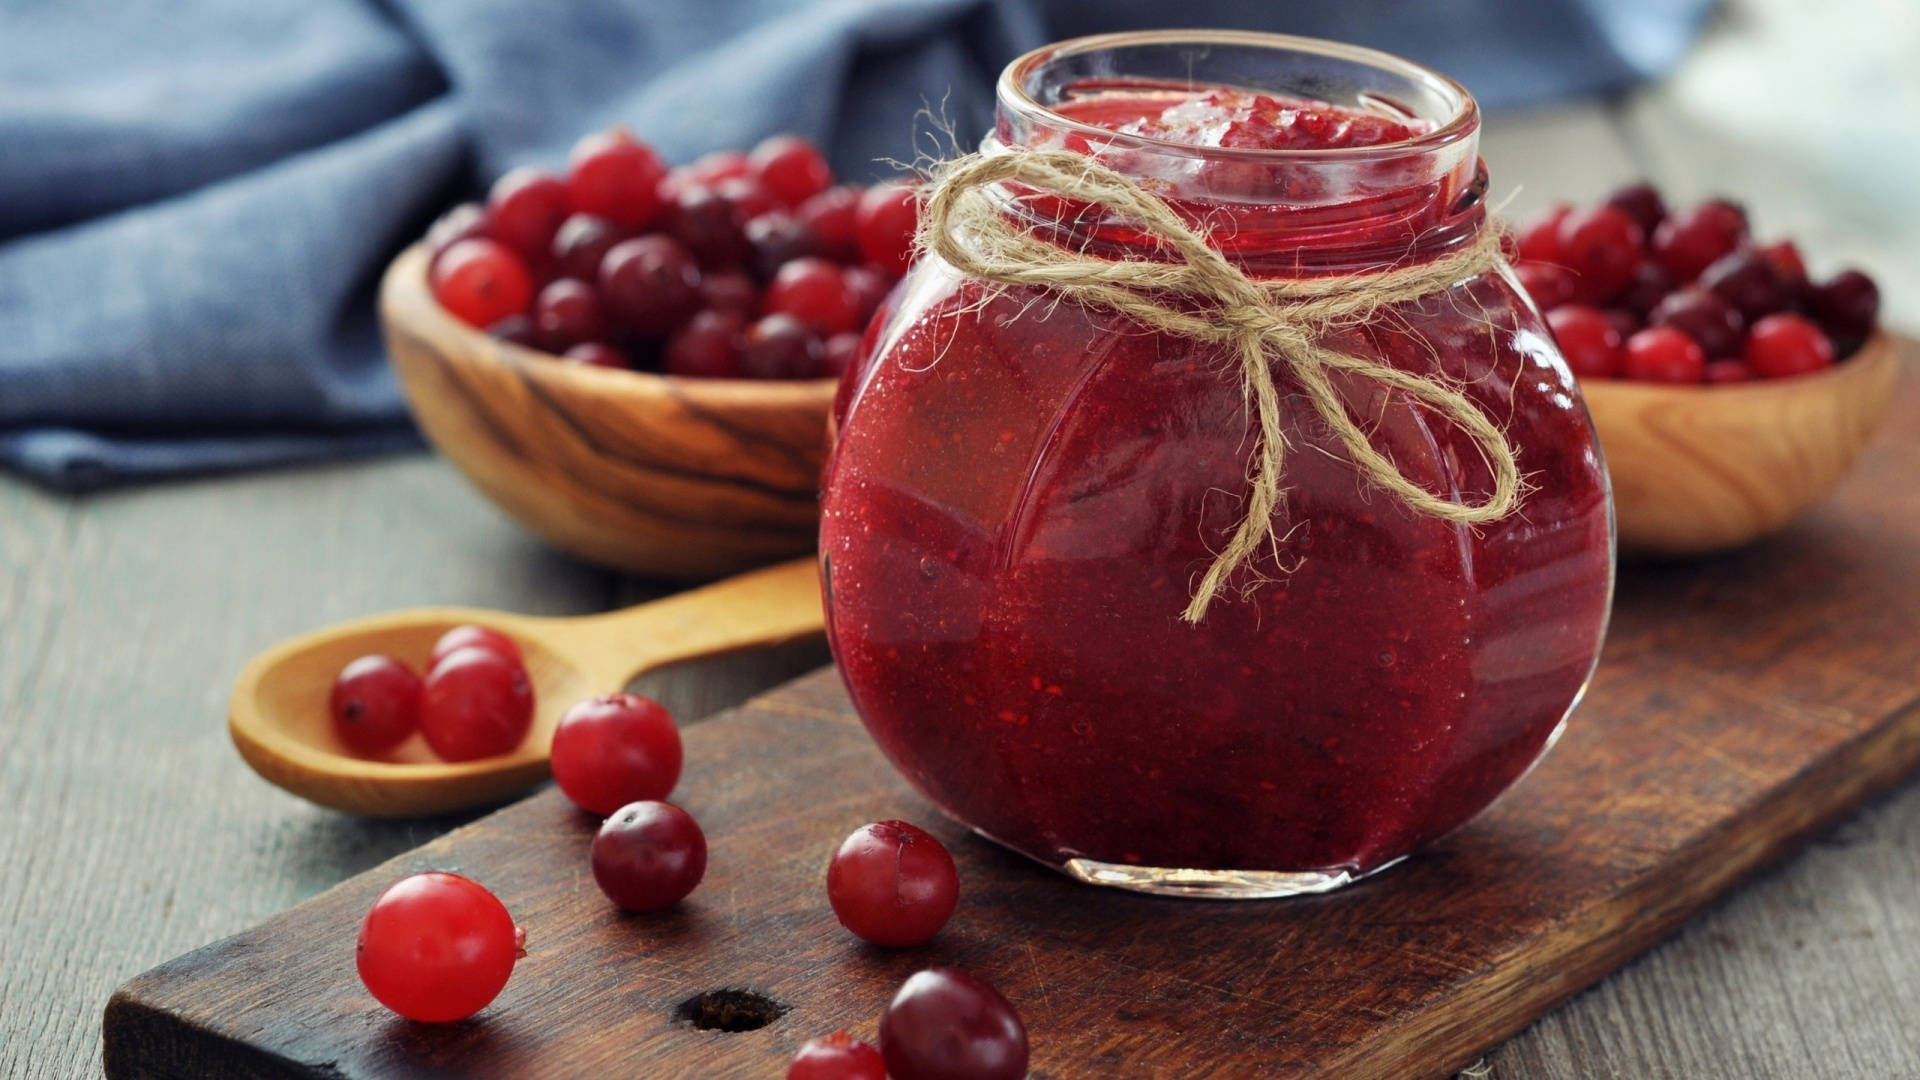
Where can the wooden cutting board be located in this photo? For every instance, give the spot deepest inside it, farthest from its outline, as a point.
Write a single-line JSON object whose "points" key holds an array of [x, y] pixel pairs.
{"points": [[1742, 703]]}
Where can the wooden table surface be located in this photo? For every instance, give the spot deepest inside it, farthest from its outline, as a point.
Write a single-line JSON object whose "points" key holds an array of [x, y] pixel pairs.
{"points": [[131, 832]]}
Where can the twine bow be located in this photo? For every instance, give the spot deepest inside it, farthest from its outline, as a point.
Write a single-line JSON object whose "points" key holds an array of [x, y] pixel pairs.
{"points": [[1200, 294]]}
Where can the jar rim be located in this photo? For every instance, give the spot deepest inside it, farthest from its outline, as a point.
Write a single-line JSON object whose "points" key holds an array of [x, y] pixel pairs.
{"points": [[1464, 122]]}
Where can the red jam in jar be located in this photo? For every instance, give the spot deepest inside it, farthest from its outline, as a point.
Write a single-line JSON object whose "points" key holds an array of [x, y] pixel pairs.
{"points": [[1024, 491]]}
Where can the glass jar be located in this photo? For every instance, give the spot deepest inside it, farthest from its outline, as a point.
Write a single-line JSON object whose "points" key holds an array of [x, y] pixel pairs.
{"points": [[1024, 490]]}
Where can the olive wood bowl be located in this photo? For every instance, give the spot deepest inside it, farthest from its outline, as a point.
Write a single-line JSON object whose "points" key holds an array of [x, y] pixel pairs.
{"points": [[1698, 469], [657, 475]]}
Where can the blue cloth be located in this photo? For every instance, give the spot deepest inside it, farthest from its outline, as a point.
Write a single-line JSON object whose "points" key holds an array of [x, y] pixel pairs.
{"points": [[197, 197]]}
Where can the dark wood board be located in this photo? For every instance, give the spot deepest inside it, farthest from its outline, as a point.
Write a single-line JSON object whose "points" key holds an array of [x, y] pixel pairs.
{"points": [[1742, 703]]}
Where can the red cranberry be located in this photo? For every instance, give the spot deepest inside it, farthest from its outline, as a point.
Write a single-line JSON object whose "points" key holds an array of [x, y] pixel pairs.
{"points": [[707, 347], [869, 289], [582, 241], [1729, 371], [469, 636], [892, 883], [1540, 238], [791, 168], [719, 165], [613, 750], [596, 354], [1787, 344], [437, 948], [1787, 265], [1846, 306], [1746, 280], [1712, 322], [814, 292], [650, 284], [481, 282], [748, 196], [524, 210], [731, 292], [1642, 203], [947, 1024], [885, 221], [707, 225], [1663, 354], [375, 704], [1601, 246], [778, 347], [830, 216], [1688, 243], [566, 313], [648, 856], [777, 240], [1549, 285], [838, 1056], [517, 329], [1588, 339], [837, 355], [1649, 285], [617, 177], [467, 221], [475, 704], [1625, 323]]}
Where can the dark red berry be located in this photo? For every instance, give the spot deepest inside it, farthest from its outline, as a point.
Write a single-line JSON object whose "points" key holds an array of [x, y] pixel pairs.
{"points": [[375, 704], [777, 240], [748, 196], [1588, 339], [437, 947], [648, 856], [948, 1024], [1601, 246], [613, 750], [830, 215], [1787, 265], [892, 883], [1846, 306], [1712, 322], [792, 168], [481, 282], [1540, 237], [469, 636], [1729, 371], [1747, 280], [1549, 285], [650, 284], [617, 177], [707, 347], [838, 354], [517, 329], [1786, 344], [582, 241], [596, 354], [707, 225], [838, 1056], [476, 704], [1625, 323], [1663, 354], [1649, 285], [568, 312], [1689, 242], [869, 289], [814, 292], [731, 292], [524, 210], [778, 347], [467, 221], [1642, 203], [885, 221]]}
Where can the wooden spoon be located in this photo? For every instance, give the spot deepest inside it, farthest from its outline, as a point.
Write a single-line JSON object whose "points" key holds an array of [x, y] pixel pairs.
{"points": [[279, 719]]}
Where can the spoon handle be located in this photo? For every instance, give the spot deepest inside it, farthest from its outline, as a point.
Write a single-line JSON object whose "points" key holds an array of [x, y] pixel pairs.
{"points": [[765, 607]]}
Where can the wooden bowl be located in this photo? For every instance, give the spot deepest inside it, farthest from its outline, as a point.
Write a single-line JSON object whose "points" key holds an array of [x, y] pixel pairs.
{"points": [[652, 474], [1698, 469]]}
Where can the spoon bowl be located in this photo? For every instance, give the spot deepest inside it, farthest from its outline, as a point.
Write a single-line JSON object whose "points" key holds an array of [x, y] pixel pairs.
{"points": [[279, 720]]}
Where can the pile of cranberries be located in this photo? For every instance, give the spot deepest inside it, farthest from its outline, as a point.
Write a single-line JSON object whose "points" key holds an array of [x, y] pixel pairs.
{"points": [[1635, 292], [752, 265]]}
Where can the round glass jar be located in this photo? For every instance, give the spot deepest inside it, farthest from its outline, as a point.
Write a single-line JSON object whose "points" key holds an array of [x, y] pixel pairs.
{"points": [[1024, 490]]}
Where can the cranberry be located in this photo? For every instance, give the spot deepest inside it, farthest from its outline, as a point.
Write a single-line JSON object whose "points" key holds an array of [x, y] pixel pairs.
{"points": [[469, 636], [437, 947], [814, 292], [838, 1056], [707, 347], [481, 282], [711, 168], [650, 284], [1787, 344], [1787, 265], [947, 1024], [1649, 285], [616, 749], [1601, 246], [778, 347], [731, 292], [837, 355], [1540, 238], [1690, 242], [581, 243], [1625, 323], [1704, 317], [748, 197], [892, 883], [706, 224], [777, 240], [1729, 371], [792, 168], [1642, 203], [1664, 354], [567, 312], [524, 210], [648, 856], [467, 221], [869, 289], [375, 704], [617, 177], [885, 221], [1588, 339], [1548, 284], [1746, 280], [596, 354], [517, 329], [476, 704], [1846, 306], [830, 216]]}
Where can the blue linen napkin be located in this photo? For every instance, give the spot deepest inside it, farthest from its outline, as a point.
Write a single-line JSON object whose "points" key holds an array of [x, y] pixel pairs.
{"points": [[197, 197]]}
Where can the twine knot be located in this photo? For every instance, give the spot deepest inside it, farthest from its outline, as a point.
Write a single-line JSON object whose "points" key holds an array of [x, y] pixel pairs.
{"points": [[1198, 293]]}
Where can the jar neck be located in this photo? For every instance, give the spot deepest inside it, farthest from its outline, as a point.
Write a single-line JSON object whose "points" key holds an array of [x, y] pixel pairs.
{"points": [[1277, 212]]}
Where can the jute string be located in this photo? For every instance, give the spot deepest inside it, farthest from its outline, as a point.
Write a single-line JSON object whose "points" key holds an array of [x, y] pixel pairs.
{"points": [[1199, 294]]}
